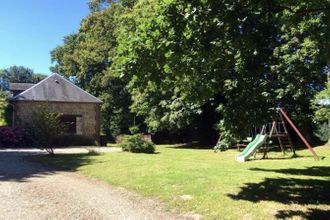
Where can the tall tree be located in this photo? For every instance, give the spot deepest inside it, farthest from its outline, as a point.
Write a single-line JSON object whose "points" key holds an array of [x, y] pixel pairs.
{"points": [[300, 59], [18, 74], [178, 59], [99, 5], [179, 55], [87, 55]]}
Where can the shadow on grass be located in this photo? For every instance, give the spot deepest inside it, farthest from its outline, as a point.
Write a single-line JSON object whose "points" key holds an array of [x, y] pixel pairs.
{"points": [[278, 156], [311, 171], [286, 191], [65, 162], [309, 214], [193, 145], [19, 166], [291, 191]]}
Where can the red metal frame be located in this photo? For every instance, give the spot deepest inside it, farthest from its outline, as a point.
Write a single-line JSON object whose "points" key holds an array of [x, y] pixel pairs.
{"points": [[287, 118]]}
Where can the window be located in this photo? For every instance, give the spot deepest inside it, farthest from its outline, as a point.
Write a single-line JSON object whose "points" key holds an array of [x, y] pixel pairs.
{"points": [[70, 123]]}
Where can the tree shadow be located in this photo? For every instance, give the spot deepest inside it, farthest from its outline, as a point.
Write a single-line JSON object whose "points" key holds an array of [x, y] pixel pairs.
{"points": [[65, 162], [192, 145], [20, 166], [291, 191], [286, 191], [309, 214], [278, 157], [311, 171]]}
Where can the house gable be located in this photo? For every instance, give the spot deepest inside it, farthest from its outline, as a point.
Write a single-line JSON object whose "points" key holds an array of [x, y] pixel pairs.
{"points": [[56, 88]]}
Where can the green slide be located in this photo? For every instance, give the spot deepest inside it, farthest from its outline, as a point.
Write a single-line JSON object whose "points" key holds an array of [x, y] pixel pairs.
{"points": [[252, 147]]}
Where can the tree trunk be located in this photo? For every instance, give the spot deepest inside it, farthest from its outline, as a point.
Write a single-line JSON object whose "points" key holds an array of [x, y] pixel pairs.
{"points": [[328, 53], [328, 42], [50, 150]]}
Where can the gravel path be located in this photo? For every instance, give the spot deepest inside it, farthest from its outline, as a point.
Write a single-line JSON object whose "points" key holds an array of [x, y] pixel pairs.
{"points": [[31, 191]]}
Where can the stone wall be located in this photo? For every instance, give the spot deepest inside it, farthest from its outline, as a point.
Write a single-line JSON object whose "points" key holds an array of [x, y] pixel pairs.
{"points": [[89, 120]]}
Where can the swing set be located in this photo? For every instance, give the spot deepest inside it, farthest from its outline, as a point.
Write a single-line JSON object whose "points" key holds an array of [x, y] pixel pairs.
{"points": [[286, 118], [278, 129]]}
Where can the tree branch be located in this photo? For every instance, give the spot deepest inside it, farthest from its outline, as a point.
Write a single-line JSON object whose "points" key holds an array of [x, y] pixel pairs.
{"points": [[305, 11]]}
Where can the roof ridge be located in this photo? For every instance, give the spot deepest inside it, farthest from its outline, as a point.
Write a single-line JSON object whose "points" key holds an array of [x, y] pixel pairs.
{"points": [[78, 94], [33, 86]]}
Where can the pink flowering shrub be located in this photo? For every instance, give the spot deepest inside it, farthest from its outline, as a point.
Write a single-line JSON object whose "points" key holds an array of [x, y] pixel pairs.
{"points": [[11, 137]]}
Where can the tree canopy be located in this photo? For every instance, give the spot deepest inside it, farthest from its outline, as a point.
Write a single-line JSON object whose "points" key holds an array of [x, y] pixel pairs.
{"points": [[321, 104], [257, 55], [165, 61], [87, 55], [18, 74]]}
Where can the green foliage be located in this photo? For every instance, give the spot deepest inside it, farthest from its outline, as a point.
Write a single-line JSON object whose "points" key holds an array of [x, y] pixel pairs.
{"points": [[300, 58], [3, 106], [99, 5], [117, 117], [321, 105], [6, 109], [323, 131], [134, 129], [44, 128], [37, 77], [166, 60], [178, 55], [225, 142], [87, 55], [18, 74], [136, 144]]}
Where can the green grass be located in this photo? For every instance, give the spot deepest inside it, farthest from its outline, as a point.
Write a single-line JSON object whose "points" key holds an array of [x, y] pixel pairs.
{"points": [[220, 187]]}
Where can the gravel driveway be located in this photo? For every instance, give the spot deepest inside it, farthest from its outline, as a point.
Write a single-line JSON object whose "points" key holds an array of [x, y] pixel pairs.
{"points": [[31, 191]]}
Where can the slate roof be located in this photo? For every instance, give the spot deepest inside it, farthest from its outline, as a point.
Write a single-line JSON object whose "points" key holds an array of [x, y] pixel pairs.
{"points": [[20, 86], [56, 88]]}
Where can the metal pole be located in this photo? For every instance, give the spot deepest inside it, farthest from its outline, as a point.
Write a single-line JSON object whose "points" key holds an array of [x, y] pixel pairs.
{"points": [[299, 133], [272, 129]]}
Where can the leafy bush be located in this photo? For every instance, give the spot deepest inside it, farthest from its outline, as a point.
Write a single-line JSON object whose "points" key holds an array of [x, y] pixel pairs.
{"points": [[6, 109], [11, 137], [323, 131], [321, 105], [73, 140], [134, 129], [44, 128], [221, 146], [136, 144]]}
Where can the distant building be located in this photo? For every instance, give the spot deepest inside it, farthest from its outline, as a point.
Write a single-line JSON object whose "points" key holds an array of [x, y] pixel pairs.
{"points": [[80, 111], [17, 88]]}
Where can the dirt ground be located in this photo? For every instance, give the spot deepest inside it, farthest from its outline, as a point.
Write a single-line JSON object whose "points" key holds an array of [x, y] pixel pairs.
{"points": [[31, 191]]}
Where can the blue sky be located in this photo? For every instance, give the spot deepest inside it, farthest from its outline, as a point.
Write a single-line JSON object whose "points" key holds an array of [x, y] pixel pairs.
{"points": [[30, 29]]}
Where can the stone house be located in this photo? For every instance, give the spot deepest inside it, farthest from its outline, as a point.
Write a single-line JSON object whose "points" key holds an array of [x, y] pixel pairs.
{"points": [[80, 111]]}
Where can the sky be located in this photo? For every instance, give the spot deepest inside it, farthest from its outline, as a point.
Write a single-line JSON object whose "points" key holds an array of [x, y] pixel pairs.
{"points": [[30, 29]]}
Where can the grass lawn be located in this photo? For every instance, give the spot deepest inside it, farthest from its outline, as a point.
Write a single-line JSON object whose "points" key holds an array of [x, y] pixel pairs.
{"points": [[217, 186]]}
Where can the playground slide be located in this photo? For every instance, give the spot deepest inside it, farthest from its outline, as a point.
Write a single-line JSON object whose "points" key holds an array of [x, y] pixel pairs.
{"points": [[252, 147]]}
